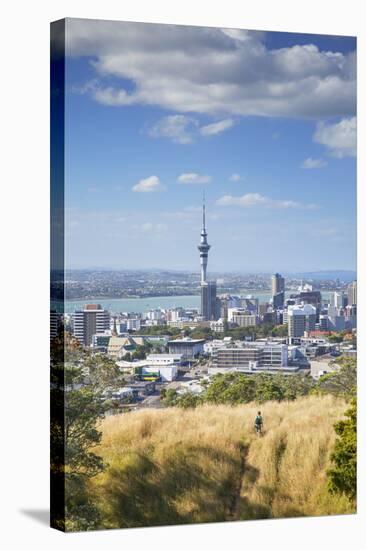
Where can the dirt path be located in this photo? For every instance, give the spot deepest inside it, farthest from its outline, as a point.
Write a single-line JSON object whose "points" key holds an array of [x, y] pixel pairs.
{"points": [[235, 501]]}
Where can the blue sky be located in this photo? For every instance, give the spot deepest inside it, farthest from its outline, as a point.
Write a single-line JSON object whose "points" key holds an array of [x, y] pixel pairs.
{"points": [[264, 123]]}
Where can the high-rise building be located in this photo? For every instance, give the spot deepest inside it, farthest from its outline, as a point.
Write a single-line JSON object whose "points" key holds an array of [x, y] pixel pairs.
{"points": [[93, 319], [245, 319], [55, 323], [277, 283], [134, 323], [352, 293], [208, 300], [312, 297], [209, 303], [339, 300], [351, 316], [278, 290], [300, 319]]}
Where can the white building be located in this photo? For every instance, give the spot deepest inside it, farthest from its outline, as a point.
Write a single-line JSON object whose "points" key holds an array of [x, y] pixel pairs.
{"points": [[133, 324], [152, 365], [249, 357], [155, 315], [338, 299], [241, 317], [164, 359], [300, 318], [211, 345], [174, 315], [336, 318], [217, 326], [167, 373], [188, 347]]}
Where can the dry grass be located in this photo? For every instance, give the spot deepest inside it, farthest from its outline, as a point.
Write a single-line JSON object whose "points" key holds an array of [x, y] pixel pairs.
{"points": [[206, 464]]}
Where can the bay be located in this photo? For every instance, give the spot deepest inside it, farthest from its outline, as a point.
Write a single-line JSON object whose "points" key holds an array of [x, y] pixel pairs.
{"points": [[140, 305]]}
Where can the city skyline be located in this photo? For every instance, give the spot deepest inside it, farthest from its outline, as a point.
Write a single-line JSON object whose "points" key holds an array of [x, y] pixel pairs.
{"points": [[278, 169]]}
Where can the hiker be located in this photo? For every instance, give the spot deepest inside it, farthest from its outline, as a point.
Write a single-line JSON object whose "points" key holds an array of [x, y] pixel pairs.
{"points": [[258, 423]]}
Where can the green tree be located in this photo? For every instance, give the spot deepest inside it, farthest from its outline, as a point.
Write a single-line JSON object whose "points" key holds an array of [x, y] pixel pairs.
{"points": [[169, 397], [78, 384], [342, 382], [280, 330], [269, 388], [296, 386], [342, 477], [82, 410], [233, 388], [335, 338], [188, 401]]}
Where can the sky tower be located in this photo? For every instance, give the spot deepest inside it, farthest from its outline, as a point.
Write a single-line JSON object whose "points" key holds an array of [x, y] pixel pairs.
{"points": [[209, 302], [203, 247]]}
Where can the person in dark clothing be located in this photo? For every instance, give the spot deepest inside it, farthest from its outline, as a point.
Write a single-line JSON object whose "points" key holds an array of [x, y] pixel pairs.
{"points": [[258, 423]]}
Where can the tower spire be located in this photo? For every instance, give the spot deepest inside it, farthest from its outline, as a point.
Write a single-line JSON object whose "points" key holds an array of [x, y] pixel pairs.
{"points": [[203, 247]]}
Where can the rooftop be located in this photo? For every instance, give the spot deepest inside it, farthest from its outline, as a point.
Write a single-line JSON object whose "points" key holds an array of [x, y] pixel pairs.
{"points": [[186, 341]]}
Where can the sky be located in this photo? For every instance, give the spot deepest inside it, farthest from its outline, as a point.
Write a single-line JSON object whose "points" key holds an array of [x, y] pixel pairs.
{"points": [[263, 123]]}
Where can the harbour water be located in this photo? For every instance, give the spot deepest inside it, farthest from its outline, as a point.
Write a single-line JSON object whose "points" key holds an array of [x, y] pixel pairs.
{"points": [[139, 305]]}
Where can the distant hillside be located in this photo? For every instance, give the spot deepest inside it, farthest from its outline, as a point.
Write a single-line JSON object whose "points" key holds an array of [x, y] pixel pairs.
{"points": [[328, 275], [206, 464]]}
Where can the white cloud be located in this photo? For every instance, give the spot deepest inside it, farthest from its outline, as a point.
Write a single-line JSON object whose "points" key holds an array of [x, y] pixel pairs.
{"points": [[149, 227], [340, 138], [178, 128], [216, 127], [311, 163], [193, 178], [235, 177], [184, 129], [148, 185], [255, 199], [213, 71]]}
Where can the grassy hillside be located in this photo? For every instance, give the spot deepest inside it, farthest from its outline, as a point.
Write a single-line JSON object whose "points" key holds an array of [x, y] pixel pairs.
{"points": [[200, 465]]}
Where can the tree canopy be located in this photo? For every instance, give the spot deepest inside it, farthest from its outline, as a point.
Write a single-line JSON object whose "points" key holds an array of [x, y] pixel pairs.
{"points": [[342, 476]]}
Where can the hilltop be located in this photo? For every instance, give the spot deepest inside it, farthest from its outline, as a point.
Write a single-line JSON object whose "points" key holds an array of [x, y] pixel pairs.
{"points": [[206, 464]]}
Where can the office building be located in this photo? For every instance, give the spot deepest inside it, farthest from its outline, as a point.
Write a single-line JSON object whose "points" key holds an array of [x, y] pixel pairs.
{"points": [[209, 303], [351, 316], [55, 323], [323, 322], [300, 318], [133, 324], [249, 357], [352, 293], [250, 304], [93, 319], [336, 318], [242, 318], [187, 347], [278, 290], [218, 326], [339, 300], [311, 297], [154, 315]]}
